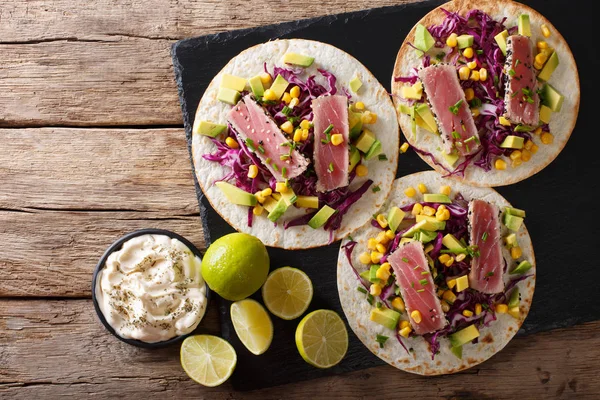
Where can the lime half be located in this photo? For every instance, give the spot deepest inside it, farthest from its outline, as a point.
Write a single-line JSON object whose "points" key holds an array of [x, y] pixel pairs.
{"points": [[252, 325], [208, 360], [322, 338], [287, 292]]}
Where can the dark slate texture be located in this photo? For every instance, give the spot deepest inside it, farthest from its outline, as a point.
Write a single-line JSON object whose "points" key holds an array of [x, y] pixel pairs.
{"points": [[561, 211]]}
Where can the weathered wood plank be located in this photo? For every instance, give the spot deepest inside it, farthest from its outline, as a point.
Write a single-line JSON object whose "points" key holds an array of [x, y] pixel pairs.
{"points": [[96, 169], [559, 364], [53, 254]]}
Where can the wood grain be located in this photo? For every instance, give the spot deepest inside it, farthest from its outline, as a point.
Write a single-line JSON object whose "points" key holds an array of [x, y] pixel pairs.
{"points": [[559, 364]]}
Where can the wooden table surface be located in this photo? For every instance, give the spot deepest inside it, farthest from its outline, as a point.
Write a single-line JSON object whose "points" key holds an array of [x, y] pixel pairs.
{"points": [[92, 146]]}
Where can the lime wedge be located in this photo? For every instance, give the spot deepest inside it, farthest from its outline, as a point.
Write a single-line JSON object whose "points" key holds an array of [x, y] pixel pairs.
{"points": [[252, 325], [287, 292], [208, 360], [322, 338]]}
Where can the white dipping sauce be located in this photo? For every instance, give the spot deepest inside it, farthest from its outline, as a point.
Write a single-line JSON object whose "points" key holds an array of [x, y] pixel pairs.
{"points": [[152, 289]]}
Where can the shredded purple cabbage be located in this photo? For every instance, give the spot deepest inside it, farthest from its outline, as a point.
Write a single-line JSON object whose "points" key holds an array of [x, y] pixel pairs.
{"points": [[348, 248]]}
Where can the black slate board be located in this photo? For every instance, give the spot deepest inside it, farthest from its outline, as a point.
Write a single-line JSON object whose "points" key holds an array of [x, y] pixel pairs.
{"points": [[558, 200]]}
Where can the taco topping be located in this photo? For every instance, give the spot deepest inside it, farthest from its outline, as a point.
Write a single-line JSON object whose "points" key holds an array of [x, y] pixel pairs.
{"points": [[331, 141], [486, 270], [521, 99], [449, 105], [417, 289]]}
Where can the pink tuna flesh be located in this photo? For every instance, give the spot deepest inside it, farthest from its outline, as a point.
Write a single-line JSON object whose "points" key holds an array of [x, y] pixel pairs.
{"points": [[521, 100], [452, 112], [331, 162], [255, 126], [416, 286], [486, 273]]}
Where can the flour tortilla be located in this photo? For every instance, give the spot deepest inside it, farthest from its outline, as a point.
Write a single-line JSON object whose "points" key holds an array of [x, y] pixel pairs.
{"points": [[565, 79], [491, 340], [345, 67]]}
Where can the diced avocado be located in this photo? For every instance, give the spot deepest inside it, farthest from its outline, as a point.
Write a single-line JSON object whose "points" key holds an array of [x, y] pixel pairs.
{"points": [[280, 208], [321, 217], [413, 121], [406, 240], [233, 82], [307, 201], [365, 141], [524, 128], [501, 40], [289, 197], [549, 67], [512, 142], [427, 116], [386, 317], [270, 202], [545, 114], [354, 123], [436, 198], [432, 224], [236, 195], [373, 274], [462, 283], [515, 211], [374, 150], [425, 236], [524, 27], [452, 243], [279, 86], [365, 275], [551, 98], [414, 92], [457, 351], [404, 109], [355, 84], [228, 96], [523, 267], [512, 222], [298, 59], [207, 128], [514, 312], [463, 336], [464, 41], [451, 158], [413, 229], [354, 158], [511, 240], [257, 86], [423, 39], [514, 300], [395, 217]]}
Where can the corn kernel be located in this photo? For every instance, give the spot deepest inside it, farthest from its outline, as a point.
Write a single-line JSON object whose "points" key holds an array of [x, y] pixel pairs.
{"points": [[305, 124], [259, 197], [422, 188], [286, 98], [475, 112], [389, 234], [534, 148], [359, 105], [474, 75], [266, 192], [525, 155], [516, 252], [398, 304], [449, 262], [371, 244], [404, 147], [516, 163], [444, 259], [383, 273], [449, 296], [295, 92], [380, 248], [297, 135], [252, 171], [416, 316], [417, 209], [257, 210], [368, 117], [538, 131], [478, 309], [266, 79], [483, 74], [294, 102], [545, 30], [504, 121], [337, 139], [365, 258], [537, 65], [472, 64], [410, 192], [281, 187], [382, 221], [469, 94], [460, 257], [376, 257], [541, 58], [452, 40], [305, 134], [528, 145], [515, 155], [445, 190], [500, 164], [540, 44], [232, 143], [404, 323], [287, 127], [443, 215], [468, 52], [361, 170], [547, 138], [382, 238], [445, 306], [375, 289], [501, 308], [467, 313], [405, 332], [429, 211], [269, 95]]}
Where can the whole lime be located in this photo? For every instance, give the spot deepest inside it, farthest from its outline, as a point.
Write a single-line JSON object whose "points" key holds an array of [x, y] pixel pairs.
{"points": [[235, 266]]}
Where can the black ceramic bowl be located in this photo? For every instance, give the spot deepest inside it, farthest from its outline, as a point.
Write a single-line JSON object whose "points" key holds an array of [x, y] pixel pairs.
{"points": [[117, 246]]}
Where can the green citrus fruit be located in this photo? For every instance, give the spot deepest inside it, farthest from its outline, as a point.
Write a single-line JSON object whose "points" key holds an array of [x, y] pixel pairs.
{"points": [[287, 292], [252, 325], [208, 360], [235, 266], [322, 338]]}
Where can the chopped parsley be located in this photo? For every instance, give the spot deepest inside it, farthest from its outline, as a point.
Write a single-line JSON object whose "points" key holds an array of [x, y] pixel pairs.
{"points": [[512, 72], [378, 305], [479, 51], [484, 236], [327, 134], [250, 144], [381, 340], [404, 259], [361, 289], [440, 56], [382, 157], [476, 102], [517, 61], [423, 282], [370, 298], [286, 111], [376, 189], [491, 273], [454, 109], [425, 273], [455, 135], [330, 168], [350, 238], [420, 290], [284, 172], [284, 157], [397, 290], [261, 149]]}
